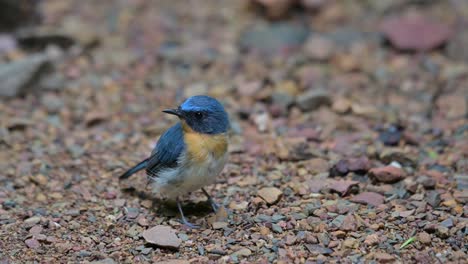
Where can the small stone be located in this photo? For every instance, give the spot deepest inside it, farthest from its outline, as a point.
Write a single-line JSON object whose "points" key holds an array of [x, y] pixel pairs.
{"points": [[415, 32], [32, 243], [383, 257], [350, 243], [317, 249], [238, 206], [372, 239], [433, 198], [271, 195], [162, 236], [387, 174], [276, 228], [447, 223], [143, 221], [341, 105], [243, 252], [35, 230], [349, 223], [407, 159], [391, 136], [30, 222], [424, 238], [219, 225], [343, 187], [442, 231], [133, 231], [313, 99], [370, 198]]}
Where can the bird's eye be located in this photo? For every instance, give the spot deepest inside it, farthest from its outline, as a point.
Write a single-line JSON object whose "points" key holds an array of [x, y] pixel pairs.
{"points": [[199, 114]]}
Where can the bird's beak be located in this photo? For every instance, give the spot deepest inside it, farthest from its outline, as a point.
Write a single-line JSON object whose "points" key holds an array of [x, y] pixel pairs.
{"points": [[176, 112]]}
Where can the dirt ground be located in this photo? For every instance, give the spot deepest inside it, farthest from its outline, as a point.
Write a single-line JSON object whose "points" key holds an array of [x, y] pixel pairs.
{"points": [[349, 131]]}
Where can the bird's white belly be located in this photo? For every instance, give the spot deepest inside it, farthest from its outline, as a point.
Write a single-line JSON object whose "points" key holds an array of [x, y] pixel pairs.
{"points": [[189, 177]]}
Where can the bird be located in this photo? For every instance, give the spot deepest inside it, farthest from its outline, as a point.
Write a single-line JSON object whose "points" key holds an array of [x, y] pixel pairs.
{"points": [[190, 154]]}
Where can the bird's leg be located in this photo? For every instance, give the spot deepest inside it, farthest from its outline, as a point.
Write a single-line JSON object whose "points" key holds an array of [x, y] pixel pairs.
{"points": [[214, 205], [183, 219]]}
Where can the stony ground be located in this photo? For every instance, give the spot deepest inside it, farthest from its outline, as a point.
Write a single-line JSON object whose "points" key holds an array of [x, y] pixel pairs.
{"points": [[349, 140]]}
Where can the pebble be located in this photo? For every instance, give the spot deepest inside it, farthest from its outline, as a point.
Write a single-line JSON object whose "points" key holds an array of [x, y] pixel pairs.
{"points": [[219, 225], [32, 243], [317, 249], [383, 257], [387, 174], [370, 198], [372, 239], [313, 99], [410, 32], [433, 198], [447, 223], [271, 195], [30, 222], [424, 238], [162, 236], [442, 231]]}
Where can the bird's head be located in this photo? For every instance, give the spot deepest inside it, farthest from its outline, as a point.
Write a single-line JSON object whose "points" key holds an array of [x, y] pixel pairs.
{"points": [[203, 114]]}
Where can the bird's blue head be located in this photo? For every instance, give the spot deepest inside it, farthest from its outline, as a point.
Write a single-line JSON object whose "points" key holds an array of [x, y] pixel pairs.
{"points": [[203, 114]]}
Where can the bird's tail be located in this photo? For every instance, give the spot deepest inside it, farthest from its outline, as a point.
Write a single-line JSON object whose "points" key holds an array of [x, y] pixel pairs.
{"points": [[134, 169]]}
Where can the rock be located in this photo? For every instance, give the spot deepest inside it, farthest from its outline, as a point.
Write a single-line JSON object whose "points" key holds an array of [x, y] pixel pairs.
{"points": [[447, 222], [343, 187], [271, 195], [319, 48], [387, 174], [433, 198], [442, 231], [383, 257], [351, 243], [427, 182], [415, 32], [313, 99], [243, 252], [341, 105], [32, 221], [349, 223], [219, 225], [162, 236], [317, 249], [274, 39], [32, 243], [35, 230], [370, 198], [358, 165], [372, 239], [18, 75], [391, 136], [424, 238], [238, 206]]}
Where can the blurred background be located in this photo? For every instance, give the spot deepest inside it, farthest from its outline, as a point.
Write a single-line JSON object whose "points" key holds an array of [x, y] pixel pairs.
{"points": [[315, 89]]}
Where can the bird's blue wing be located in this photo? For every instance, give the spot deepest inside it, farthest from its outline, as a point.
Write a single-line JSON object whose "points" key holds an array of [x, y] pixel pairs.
{"points": [[167, 151]]}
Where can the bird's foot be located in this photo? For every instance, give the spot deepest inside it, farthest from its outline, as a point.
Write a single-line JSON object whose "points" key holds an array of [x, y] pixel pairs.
{"points": [[188, 224]]}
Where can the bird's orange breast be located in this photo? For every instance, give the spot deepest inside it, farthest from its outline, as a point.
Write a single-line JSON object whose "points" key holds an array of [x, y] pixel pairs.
{"points": [[200, 147]]}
